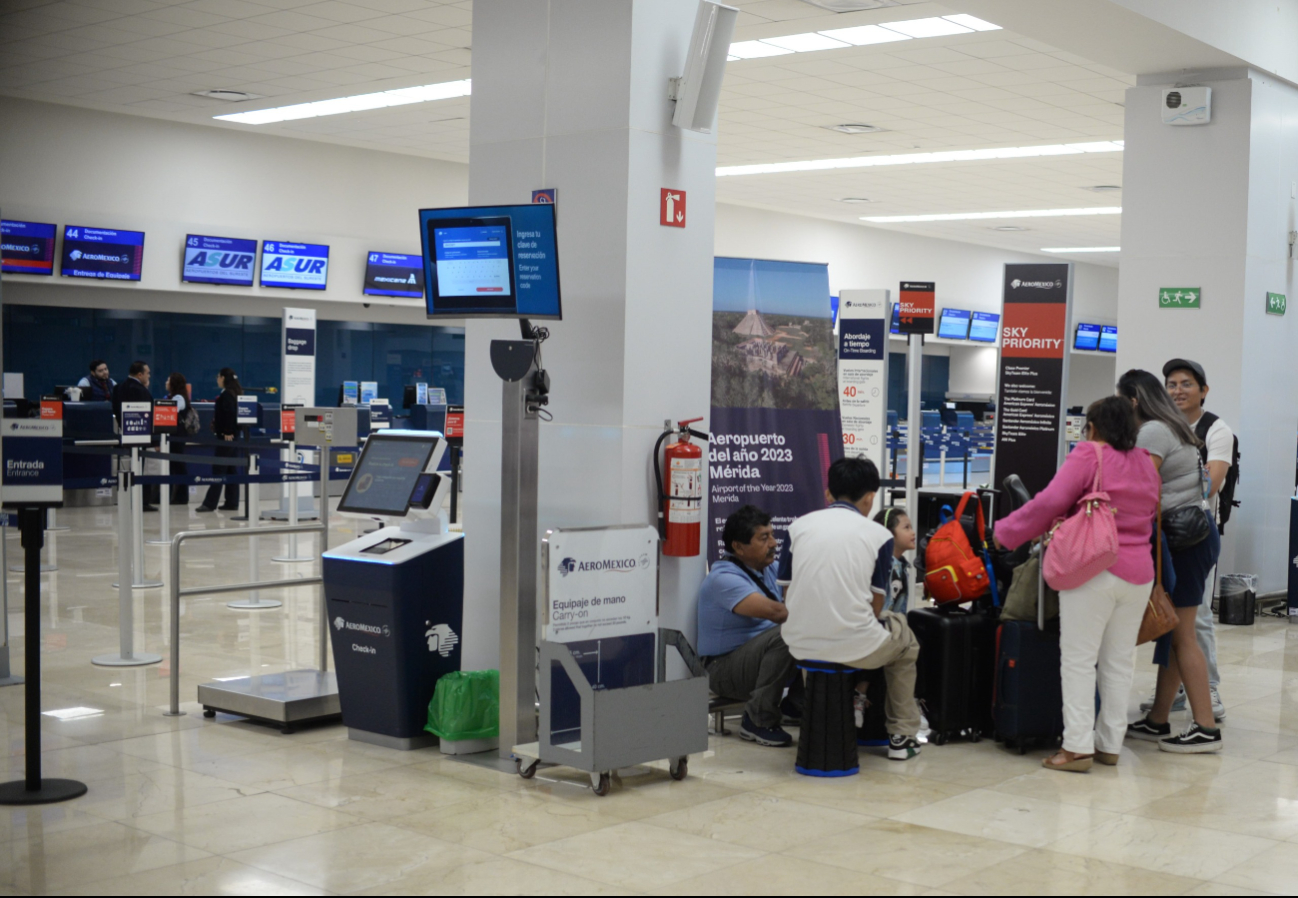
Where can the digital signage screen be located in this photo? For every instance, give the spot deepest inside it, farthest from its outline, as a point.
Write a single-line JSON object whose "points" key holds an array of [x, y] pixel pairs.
{"points": [[954, 324], [301, 266], [102, 253], [27, 247], [1088, 337], [218, 260], [491, 262], [1108, 338], [896, 318], [394, 274], [985, 327]]}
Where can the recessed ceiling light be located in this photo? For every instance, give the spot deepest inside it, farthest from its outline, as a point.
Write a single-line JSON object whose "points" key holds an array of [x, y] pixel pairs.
{"points": [[864, 35], [854, 128], [934, 27], [855, 199], [1081, 249], [756, 50], [859, 36], [971, 216], [73, 713], [973, 22], [1106, 188], [445, 90], [231, 96], [1058, 149], [805, 43], [1008, 228]]}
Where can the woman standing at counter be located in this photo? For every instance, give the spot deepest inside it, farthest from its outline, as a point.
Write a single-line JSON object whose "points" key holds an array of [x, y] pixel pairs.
{"points": [[225, 424]]}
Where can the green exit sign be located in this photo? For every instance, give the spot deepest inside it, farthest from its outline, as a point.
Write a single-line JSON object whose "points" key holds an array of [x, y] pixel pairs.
{"points": [[1179, 297], [1276, 304]]}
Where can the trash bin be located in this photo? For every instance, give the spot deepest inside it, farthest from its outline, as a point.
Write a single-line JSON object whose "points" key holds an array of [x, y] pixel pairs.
{"points": [[1238, 601], [465, 711]]}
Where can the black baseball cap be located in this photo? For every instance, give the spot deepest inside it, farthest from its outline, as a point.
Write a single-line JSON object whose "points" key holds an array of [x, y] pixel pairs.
{"points": [[1186, 365]]}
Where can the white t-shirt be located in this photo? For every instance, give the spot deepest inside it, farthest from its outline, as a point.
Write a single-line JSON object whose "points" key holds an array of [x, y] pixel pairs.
{"points": [[1220, 441], [840, 559]]}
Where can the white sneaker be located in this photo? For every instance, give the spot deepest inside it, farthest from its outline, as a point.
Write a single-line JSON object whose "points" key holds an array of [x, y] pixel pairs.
{"points": [[1218, 709], [1178, 703]]}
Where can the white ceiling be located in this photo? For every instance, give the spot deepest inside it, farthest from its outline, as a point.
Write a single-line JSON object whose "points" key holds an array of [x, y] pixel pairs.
{"points": [[987, 89]]}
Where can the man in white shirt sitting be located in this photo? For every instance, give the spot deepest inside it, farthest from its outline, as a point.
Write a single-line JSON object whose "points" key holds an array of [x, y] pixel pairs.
{"points": [[841, 562]]}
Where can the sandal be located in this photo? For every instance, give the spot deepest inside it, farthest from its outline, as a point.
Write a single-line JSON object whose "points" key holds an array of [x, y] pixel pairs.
{"points": [[1066, 760], [1107, 758]]}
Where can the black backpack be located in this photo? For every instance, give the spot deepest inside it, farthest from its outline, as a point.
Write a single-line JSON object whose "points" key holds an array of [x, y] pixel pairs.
{"points": [[1226, 500]]}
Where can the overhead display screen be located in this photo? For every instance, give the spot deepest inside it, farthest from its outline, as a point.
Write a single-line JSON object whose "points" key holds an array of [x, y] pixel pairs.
{"points": [[984, 327], [954, 324], [1088, 337], [386, 475], [27, 247], [301, 266], [896, 318], [394, 274], [102, 253], [1108, 338], [491, 262], [218, 260]]}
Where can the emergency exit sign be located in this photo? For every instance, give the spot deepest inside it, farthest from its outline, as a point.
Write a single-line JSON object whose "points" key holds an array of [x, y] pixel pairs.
{"points": [[1276, 304], [1179, 297], [671, 208]]}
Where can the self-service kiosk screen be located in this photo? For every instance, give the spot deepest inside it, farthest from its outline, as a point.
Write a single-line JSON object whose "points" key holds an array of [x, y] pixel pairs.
{"points": [[386, 475]]}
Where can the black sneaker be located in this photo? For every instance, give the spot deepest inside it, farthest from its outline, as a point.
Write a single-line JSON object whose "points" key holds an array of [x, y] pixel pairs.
{"points": [[205, 508], [1193, 741], [772, 736], [1146, 729], [902, 748]]}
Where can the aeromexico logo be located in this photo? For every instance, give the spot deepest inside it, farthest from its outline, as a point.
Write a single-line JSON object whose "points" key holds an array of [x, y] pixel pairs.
{"points": [[341, 624], [614, 565], [1040, 285]]}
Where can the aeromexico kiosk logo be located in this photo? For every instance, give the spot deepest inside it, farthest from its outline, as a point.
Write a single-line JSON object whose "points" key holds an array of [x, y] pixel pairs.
{"points": [[610, 565]]}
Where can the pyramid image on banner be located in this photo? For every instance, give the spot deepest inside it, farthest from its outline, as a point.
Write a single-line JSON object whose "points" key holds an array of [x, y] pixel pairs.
{"points": [[754, 325]]}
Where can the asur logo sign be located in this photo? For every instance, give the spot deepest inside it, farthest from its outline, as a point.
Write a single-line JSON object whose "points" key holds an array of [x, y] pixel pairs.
{"points": [[671, 208]]}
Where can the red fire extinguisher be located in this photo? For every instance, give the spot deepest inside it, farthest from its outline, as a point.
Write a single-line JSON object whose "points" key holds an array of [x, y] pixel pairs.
{"points": [[681, 512]]}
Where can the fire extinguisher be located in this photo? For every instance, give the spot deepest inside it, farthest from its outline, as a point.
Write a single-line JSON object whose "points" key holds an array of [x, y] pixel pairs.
{"points": [[680, 512]]}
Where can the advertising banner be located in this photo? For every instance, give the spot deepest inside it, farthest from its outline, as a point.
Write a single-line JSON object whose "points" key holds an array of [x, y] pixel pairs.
{"points": [[294, 265], [1033, 374], [102, 253], [33, 461], [863, 373], [297, 375], [775, 420], [26, 247], [137, 423], [218, 260]]}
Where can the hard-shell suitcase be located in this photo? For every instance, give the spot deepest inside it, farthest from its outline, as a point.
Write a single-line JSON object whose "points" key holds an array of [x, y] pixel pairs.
{"points": [[1029, 696], [954, 675]]}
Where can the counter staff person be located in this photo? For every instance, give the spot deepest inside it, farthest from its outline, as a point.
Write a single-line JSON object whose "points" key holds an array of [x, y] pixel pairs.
{"points": [[97, 386], [178, 390], [135, 389], [225, 424]]}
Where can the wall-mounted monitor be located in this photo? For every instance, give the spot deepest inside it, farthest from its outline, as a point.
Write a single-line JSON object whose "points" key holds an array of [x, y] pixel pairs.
{"points": [[1088, 337], [896, 318], [954, 324], [218, 260], [300, 266], [102, 253], [491, 262], [394, 274], [27, 247], [1108, 338], [985, 327]]}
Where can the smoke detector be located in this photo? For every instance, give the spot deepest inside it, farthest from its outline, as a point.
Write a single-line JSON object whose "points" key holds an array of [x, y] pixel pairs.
{"points": [[854, 199], [230, 96], [1008, 228], [853, 128]]}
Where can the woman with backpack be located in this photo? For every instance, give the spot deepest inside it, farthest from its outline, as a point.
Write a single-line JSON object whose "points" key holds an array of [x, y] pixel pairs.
{"points": [[225, 424], [1099, 617], [187, 426], [1191, 545]]}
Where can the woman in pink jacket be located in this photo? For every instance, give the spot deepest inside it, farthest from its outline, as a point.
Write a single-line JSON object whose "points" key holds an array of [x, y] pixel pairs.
{"points": [[1099, 620]]}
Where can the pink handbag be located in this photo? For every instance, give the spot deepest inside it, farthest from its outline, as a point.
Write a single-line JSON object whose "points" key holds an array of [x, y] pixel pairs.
{"points": [[1085, 543]]}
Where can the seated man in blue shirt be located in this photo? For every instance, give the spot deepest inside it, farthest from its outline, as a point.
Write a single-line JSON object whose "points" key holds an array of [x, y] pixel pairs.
{"points": [[740, 612]]}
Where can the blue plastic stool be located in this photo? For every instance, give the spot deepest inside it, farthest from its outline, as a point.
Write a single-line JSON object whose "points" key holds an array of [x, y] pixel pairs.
{"points": [[827, 739]]}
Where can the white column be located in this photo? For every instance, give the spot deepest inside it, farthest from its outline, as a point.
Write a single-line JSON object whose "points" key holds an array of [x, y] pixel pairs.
{"points": [[572, 94]]}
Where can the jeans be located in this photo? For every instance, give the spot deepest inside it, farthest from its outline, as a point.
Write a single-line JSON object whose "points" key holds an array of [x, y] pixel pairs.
{"points": [[897, 657], [1205, 631], [757, 671], [1098, 624]]}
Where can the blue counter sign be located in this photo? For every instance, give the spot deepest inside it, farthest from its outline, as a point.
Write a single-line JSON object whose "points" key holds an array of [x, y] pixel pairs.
{"points": [[33, 462], [218, 260], [102, 253], [295, 265]]}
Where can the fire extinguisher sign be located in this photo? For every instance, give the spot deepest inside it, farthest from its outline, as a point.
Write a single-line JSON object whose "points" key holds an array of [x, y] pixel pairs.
{"points": [[671, 208]]}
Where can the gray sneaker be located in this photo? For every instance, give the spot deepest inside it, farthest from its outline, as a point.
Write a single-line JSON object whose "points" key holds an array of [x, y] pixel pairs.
{"points": [[1218, 709], [1178, 703]]}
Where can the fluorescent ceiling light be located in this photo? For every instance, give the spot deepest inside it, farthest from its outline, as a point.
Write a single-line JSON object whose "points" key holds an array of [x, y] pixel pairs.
{"points": [[1081, 249], [1058, 149], [805, 43], [756, 50], [73, 713], [864, 35], [971, 216], [444, 91], [934, 27], [973, 22]]}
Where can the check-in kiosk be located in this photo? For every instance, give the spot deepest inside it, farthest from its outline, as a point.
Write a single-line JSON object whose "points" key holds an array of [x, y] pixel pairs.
{"points": [[395, 597]]}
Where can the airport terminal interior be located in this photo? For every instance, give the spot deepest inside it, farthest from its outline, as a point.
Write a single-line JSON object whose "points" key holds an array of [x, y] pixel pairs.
{"points": [[648, 447]]}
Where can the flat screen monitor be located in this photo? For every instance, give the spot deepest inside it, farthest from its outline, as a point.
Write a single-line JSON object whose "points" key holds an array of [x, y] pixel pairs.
{"points": [[954, 324], [27, 247], [300, 266], [387, 474], [218, 260], [985, 327], [1108, 338], [1088, 337], [491, 262], [896, 318], [394, 274], [102, 253]]}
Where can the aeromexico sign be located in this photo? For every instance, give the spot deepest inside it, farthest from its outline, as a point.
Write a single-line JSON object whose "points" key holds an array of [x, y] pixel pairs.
{"points": [[1033, 373]]}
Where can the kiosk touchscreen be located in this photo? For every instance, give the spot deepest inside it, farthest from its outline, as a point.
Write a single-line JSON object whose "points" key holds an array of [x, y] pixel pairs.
{"points": [[392, 474]]}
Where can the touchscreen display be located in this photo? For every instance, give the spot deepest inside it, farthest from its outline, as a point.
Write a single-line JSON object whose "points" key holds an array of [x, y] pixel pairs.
{"points": [[1088, 337], [386, 476]]}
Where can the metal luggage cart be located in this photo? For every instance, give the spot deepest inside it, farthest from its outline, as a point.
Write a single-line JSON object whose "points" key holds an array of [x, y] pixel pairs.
{"points": [[663, 720]]}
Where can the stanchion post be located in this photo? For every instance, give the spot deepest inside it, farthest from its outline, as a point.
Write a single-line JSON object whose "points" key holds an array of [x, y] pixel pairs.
{"points": [[293, 519], [7, 677], [126, 656], [322, 455], [254, 602], [137, 513], [164, 497]]}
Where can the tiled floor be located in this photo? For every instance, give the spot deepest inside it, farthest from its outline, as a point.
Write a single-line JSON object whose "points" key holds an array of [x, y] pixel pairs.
{"points": [[187, 805]]}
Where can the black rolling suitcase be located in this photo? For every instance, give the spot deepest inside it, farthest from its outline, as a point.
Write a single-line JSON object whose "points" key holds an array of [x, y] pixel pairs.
{"points": [[1029, 698], [957, 662]]}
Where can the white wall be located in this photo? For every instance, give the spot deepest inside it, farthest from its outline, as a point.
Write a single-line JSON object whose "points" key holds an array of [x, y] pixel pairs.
{"points": [[68, 165]]}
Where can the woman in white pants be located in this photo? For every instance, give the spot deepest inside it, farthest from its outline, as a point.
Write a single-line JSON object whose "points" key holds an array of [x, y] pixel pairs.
{"points": [[1100, 619]]}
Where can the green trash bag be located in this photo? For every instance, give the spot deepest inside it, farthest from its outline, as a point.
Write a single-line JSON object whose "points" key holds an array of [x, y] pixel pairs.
{"points": [[466, 705]]}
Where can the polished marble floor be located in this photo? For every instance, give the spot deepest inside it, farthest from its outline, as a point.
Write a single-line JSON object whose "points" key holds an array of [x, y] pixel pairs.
{"points": [[193, 806]]}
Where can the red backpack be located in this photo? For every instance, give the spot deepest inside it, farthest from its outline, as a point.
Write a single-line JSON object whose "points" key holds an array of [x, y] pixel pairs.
{"points": [[955, 570]]}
